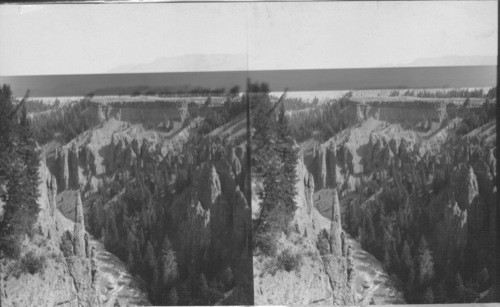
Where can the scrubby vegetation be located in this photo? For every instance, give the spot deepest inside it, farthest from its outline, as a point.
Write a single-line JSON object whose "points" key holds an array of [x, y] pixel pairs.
{"points": [[29, 263], [323, 242], [474, 118], [454, 93], [289, 260], [19, 162], [32, 263], [64, 123], [166, 91], [36, 106], [324, 120], [67, 244]]}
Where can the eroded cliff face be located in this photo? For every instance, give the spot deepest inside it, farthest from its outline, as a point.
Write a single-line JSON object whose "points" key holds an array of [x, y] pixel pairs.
{"points": [[65, 280], [320, 278], [113, 147], [152, 185], [344, 113]]}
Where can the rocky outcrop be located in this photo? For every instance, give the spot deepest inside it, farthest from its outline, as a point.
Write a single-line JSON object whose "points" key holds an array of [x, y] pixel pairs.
{"points": [[63, 281], [208, 185], [336, 269], [309, 192], [86, 285], [464, 185], [321, 167], [52, 192], [325, 163], [67, 168], [79, 229], [242, 226], [331, 165], [227, 178], [406, 111], [336, 263], [82, 267], [335, 227], [199, 221], [62, 163], [344, 244], [234, 161], [74, 175]]}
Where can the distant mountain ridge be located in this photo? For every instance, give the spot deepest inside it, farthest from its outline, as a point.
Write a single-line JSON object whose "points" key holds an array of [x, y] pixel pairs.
{"points": [[190, 62], [239, 62], [451, 60]]}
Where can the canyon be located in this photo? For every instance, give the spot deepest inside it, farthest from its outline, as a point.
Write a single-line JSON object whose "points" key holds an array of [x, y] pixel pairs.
{"points": [[405, 172], [146, 190], [415, 182]]}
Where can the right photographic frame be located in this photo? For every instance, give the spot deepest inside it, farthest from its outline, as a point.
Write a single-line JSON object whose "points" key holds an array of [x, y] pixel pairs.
{"points": [[373, 152]]}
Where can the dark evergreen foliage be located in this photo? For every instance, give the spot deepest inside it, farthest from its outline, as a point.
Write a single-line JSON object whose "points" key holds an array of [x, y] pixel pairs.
{"points": [[275, 158], [63, 123], [19, 162], [141, 231]]}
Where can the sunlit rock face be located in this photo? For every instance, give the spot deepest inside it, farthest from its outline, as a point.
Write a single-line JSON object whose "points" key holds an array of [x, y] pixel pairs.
{"points": [[63, 170], [209, 187], [66, 280], [319, 279], [465, 187], [79, 229], [336, 227]]}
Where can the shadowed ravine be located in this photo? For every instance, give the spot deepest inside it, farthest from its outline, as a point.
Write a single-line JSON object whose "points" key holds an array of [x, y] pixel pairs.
{"points": [[116, 282], [372, 281]]}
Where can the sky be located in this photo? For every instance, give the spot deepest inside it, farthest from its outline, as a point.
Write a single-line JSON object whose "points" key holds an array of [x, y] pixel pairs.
{"points": [[89, 38]]}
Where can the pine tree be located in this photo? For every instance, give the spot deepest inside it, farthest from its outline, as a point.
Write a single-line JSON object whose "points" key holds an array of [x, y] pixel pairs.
{"points": [[264, 124], [441, 295], [31, 154], [173, 298], [406, 255], [288, 154], [138, 259], [19, 160], [111, 236], [169, 263], [387, 260], [425, 263], [150, 256], [203, 288], [428, 296], [459, 289], [370, 228], [272, 216], [130, 261], [154, 285]]}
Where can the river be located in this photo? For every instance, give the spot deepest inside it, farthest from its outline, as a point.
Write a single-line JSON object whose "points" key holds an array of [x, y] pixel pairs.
{"points": [[116, 283], [372, 282]]}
